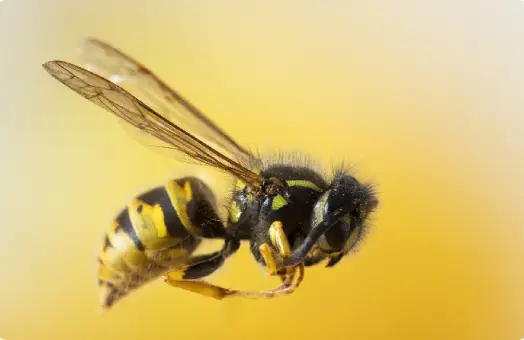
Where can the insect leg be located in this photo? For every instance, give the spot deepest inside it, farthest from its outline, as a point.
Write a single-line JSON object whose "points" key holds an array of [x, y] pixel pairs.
{"points": [[204, 288], [269, 260], [279, 240], [204, 265], [291, 276]]}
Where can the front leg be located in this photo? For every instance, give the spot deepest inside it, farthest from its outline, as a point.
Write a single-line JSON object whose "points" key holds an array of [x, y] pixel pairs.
{"points": [[280, 242]]}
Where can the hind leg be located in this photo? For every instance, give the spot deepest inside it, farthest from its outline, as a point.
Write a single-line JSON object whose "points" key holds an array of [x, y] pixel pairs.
{"points": [[291, 277], [201, 266]]}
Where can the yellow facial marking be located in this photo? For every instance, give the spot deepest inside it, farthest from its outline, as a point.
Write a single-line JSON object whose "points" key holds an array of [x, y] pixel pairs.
{"points": [[180, 197], [278, 202], [234, 212], [304, 184]]}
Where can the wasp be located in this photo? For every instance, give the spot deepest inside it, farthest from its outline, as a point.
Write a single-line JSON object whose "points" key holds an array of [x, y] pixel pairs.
{"points": [[291, 216]]}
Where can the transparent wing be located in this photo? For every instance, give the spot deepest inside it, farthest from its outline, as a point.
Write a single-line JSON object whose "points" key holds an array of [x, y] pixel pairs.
{"points": [[121, 103], [113, 64]]}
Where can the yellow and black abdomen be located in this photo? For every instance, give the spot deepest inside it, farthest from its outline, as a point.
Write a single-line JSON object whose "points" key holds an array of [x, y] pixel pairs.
{"points": [[158, 231]]}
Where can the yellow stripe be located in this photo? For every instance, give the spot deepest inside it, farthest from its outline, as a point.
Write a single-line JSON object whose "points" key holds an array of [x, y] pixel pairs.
{"points": [[304, 184], [151, 216], [189, 192], [123, 255], [149, 225], [278, 202], [180, 197]]}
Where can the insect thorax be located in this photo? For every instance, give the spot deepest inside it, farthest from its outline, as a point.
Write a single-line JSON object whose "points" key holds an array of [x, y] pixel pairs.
{"points": [[250, 216]]}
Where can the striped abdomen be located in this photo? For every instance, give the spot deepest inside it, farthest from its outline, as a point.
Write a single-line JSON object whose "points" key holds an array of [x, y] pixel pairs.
{"points": [[157, 231]]}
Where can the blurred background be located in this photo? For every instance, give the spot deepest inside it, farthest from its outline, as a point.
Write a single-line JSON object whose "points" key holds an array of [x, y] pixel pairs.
{"points": [[423, 98]]}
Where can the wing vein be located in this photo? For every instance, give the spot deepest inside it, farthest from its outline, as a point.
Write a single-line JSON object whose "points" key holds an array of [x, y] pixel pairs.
{"points": [[138, 114]]}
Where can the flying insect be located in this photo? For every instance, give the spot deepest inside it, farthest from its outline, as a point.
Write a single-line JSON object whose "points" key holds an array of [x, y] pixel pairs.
{"points": [[289, 213]]}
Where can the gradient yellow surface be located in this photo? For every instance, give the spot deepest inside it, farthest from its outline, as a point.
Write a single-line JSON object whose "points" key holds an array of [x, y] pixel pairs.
{"points": [[424, 98]]}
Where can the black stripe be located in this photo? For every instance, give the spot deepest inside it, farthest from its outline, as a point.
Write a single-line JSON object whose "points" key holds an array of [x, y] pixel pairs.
{"points": [[171, 220], [201, 210], [124, 223]]}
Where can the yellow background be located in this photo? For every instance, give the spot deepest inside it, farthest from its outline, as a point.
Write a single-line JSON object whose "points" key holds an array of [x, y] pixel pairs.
{"points": [[424, 98]]}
